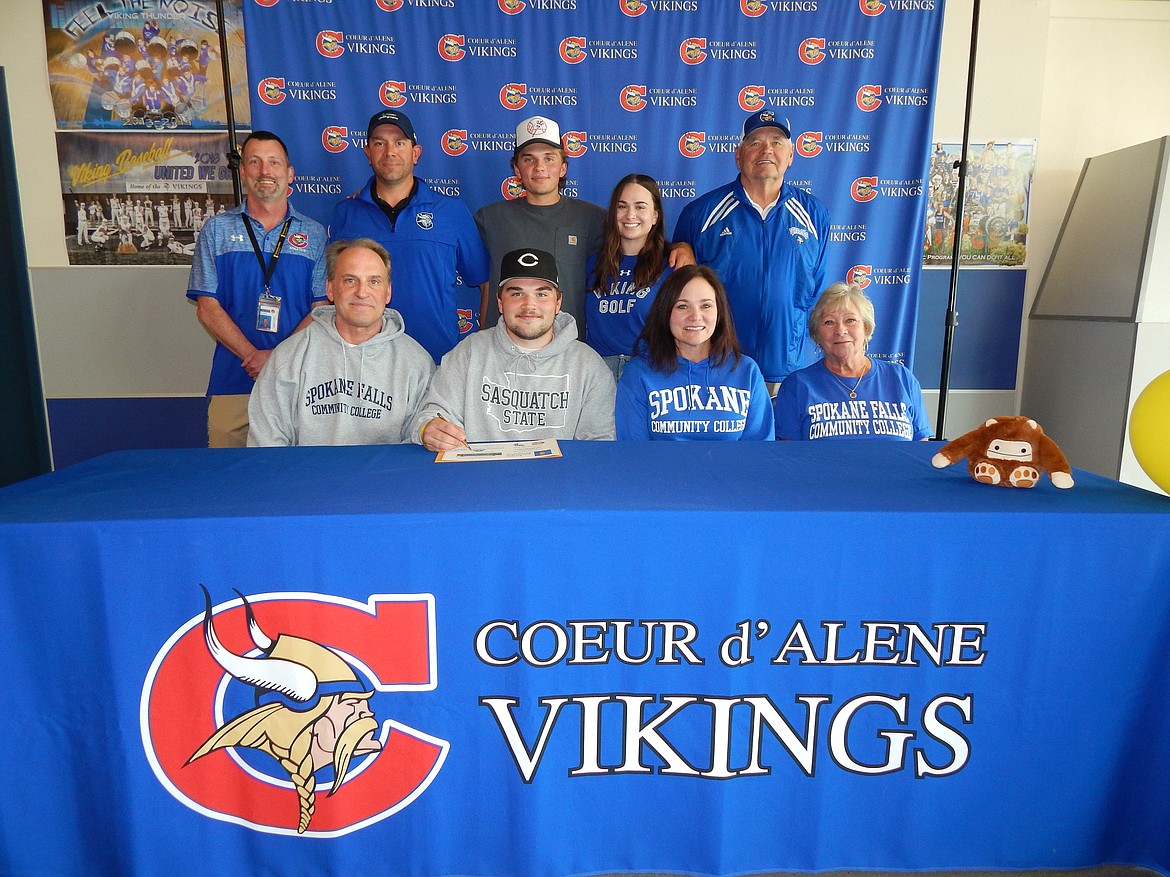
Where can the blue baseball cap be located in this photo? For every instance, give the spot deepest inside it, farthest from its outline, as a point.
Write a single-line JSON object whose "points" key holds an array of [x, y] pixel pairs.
{"points": [[766, 119], [391, 117]]}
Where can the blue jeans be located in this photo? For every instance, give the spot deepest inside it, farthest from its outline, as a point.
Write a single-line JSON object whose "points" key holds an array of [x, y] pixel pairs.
{"points": [[617, 364]]}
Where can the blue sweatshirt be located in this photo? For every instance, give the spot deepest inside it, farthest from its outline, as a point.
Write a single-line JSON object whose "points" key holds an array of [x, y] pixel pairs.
{"points": [[699, 401]]}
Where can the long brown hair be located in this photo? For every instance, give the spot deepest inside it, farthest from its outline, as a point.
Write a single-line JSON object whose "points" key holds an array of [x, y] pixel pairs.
{"points": [[656, 340], [648, 268]]}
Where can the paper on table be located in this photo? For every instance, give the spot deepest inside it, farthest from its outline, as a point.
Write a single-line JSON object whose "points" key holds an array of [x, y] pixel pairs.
{"points": [[532, 450]]}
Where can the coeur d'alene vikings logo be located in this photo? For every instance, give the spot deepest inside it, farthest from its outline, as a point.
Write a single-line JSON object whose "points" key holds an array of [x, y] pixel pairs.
{"points": [[264, 712]]}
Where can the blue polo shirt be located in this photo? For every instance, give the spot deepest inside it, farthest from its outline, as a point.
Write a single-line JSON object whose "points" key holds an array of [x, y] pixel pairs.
{"points": [[773, 268], [225, 267], [434, 249]]}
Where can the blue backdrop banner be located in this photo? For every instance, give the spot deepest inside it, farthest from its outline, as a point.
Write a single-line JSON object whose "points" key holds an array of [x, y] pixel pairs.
{"points": [[653, 86]]}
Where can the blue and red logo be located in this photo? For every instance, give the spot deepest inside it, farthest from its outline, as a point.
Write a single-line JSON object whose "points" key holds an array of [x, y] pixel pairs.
{"points": [[693, 51], [513, 95], [455, 141], [692, 144], [573, 50], [392, 93], [331, 43], [299, 239], [858, 275], [871, 7], [751, 98], [512, 7], [752, 8], [451, 46], [389, 5], [274, 712], [511, 188], [271, 90], [869, 98], [808, 144], [633, 98], [574, 143], [812, 50], [335, 138], [632, 8], [864, 189]]}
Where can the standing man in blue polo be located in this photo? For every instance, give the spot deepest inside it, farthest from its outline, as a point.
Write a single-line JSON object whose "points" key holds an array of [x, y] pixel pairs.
{"points": [[766, 239], [258, 271], [433, 243]]}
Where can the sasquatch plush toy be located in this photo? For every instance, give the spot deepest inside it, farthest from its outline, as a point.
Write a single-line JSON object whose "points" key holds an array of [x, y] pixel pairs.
{"points": [[1008, 451]]}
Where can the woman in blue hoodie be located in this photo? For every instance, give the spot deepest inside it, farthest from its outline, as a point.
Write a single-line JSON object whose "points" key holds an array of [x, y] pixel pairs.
{"points": [[690, 381]]}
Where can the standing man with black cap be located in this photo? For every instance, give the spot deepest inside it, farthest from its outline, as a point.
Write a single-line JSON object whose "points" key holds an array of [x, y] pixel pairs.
{"points": [[432, 240], [766, 239], [528, 377]]}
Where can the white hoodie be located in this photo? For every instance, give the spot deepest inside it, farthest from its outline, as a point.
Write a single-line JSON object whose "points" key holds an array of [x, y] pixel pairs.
{"points": [[318, 389]]}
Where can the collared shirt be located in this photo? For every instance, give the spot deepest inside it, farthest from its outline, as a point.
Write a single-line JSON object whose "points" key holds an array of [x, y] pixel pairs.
{"points": [[764, 209], [434, 249], [225, 267], [393, 211]]}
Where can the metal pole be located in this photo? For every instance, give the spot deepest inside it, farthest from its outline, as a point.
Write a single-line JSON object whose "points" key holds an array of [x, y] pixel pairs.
{"points": [[233, 153], [952, 318]]}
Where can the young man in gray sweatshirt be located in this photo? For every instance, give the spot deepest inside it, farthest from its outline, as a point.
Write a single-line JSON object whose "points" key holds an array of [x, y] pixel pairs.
{"points": [[527, 377]]}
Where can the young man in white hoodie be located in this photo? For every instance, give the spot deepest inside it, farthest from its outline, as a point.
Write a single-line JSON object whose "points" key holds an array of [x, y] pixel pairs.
{"points": [[527, 377], [353, 376]]}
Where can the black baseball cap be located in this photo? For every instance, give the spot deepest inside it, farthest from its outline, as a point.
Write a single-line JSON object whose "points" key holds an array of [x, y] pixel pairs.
{"points": [[528, 262]]}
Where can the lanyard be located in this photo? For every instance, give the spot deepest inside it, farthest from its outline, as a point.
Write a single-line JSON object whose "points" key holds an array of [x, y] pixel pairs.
{"points": [[266, 270]]}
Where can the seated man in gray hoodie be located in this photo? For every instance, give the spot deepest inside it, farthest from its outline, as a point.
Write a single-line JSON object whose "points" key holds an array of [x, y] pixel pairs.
{"points": [[353, 376], [527, 377]]}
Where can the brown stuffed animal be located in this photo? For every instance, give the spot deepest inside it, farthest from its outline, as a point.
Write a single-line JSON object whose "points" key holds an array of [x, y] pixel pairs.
{"points": [[1008, 451]]}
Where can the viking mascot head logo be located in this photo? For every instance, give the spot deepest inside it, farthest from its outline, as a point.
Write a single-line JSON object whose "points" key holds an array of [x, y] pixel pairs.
{"points": [[311, 711]]}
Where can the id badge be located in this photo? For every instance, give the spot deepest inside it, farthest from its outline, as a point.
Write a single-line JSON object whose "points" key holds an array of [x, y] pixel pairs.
{"points": [[268, 313]]}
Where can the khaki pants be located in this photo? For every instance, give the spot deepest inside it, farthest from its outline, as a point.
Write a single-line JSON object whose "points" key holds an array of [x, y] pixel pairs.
{"points": [[227, 421]]}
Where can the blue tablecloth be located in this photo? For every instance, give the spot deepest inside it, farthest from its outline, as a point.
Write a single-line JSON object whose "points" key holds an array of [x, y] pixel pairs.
{"points": [[695, 658]]}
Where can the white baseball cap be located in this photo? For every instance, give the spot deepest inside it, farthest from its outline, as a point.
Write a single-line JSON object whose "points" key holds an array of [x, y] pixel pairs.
{"points": [[537, 129]]}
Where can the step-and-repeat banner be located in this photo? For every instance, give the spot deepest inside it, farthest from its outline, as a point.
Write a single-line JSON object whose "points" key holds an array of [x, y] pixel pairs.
{"points": [[653, 86]]}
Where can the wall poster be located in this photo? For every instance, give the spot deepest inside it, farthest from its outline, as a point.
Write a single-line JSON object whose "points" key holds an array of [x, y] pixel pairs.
{"points": [[140, 198], [995, 212], [139, 77]]}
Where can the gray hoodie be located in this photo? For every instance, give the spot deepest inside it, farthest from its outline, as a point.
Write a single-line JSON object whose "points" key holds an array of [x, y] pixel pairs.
{"points": [[318, 389], [498, 391]]}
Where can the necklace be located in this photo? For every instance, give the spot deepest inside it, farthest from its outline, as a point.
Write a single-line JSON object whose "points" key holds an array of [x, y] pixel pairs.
{"points": [[852, 391]]}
